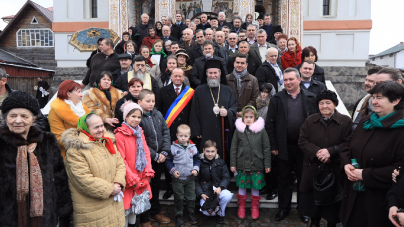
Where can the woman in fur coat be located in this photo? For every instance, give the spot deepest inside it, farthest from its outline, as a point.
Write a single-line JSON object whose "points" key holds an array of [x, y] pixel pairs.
{"points": [[34, 190], [102, 99]]}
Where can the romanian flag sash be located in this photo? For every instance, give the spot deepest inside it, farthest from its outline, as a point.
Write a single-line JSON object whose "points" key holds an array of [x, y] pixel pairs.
{"points": [[179, 104]]}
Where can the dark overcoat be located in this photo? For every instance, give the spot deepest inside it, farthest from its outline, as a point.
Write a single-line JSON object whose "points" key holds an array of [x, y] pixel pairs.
{"points": [[198, 75], [266, 74], [167, 97], [57, 202], [378, 153], [249, 90], [316, 134], [318, 73]]}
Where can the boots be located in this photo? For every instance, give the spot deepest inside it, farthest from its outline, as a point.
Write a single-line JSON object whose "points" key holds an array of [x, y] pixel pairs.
{"points": [[255, 203], [241, 205]]}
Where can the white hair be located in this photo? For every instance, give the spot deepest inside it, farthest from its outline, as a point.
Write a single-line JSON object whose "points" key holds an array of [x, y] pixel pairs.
{"points": [[221, 13], [208, 29], [271, 48], [261, 31], [145, 14], [170, 18]]}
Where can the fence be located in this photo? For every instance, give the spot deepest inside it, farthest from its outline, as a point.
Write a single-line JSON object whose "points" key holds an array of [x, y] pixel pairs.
{"points": [[26, 84]]}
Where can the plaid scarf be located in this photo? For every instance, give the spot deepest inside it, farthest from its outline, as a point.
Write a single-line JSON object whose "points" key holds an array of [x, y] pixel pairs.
{"points": [[29, 183]]}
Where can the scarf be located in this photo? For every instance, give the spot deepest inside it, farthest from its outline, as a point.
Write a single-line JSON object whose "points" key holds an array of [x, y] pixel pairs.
{"points": [[165, 76], [149, 62], [83, 127], [376, 122], [185, 67], [264, 102], [78, 109], [107, 92], [141, 161], [161, 52], [29, 183], [239, 77]]}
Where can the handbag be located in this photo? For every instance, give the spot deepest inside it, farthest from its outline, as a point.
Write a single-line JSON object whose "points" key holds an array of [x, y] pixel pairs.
{"points": [[326, 191], [140, 203]]}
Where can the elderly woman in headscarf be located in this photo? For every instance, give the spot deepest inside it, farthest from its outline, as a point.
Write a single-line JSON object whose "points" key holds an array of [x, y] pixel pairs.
{"points": [[266, 92], [96, 174], [102, 99], [66, 109], [34, 190]]}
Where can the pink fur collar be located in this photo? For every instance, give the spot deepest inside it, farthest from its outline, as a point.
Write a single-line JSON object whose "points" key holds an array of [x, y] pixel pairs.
{"points": [[256, 127]]}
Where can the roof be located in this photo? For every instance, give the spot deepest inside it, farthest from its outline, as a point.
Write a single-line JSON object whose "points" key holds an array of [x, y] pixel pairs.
{"points": [[28, 67], [12, 16], [48, 14], [397, 48], [9, 58]]}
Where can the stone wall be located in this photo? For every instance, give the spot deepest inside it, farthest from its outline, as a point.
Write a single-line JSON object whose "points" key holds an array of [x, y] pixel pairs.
{"points": [[62, 74], [349, 83]]}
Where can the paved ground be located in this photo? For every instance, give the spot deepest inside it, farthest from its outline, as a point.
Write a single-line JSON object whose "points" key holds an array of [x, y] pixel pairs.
{"points": [[267, 218]]}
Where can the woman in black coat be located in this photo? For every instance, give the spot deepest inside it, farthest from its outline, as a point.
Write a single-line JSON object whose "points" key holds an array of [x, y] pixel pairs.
{"points": [[395, 200], [135, 85], [322, 136], [34, 155], [212, 180], [310, 54]]}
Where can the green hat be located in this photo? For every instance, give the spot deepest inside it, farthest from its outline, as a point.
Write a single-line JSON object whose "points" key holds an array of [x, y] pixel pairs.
{"points": [[251, 107]]}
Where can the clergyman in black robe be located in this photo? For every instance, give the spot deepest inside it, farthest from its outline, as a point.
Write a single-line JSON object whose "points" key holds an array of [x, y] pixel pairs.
{"points": [[42, 99], [203, 121]]}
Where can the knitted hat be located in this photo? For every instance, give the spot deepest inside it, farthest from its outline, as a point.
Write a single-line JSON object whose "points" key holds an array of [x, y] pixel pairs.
{"points": [[256, 116], [20, 99], [129, 106], [327, 94]]}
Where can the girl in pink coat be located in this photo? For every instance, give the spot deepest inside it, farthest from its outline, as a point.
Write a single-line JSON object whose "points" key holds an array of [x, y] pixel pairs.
{"points": [[131, 143]]}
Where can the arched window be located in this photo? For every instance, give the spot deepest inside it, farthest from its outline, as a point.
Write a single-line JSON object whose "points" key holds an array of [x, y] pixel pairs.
{"points": [[35, 38]]}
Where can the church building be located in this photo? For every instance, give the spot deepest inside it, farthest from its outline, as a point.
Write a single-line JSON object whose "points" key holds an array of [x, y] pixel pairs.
{"points": [[338, 29]]}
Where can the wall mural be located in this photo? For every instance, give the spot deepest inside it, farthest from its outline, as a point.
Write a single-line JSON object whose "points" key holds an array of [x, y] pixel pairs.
{"points": [[223, 6], [188, 9]]}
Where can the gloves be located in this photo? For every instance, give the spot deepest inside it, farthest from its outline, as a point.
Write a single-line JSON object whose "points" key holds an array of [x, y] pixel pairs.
{"points": [[118, 197]]}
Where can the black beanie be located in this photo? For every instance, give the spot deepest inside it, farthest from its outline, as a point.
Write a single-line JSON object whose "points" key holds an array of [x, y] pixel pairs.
{"points": [[327, 94], [20, 99]]}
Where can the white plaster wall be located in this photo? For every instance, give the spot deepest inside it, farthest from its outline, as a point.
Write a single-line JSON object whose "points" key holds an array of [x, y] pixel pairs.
{"points": [[386, 61], [340, 10], [400, 60], [73, 11], [66, 55], [339, 48]]}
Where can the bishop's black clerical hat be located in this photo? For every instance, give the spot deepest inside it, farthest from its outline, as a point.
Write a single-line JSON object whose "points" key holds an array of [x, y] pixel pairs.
{"points": [[212, 64]]}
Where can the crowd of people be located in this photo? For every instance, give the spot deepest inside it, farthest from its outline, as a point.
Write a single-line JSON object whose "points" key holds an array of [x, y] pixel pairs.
{"points": [[202, 102]]}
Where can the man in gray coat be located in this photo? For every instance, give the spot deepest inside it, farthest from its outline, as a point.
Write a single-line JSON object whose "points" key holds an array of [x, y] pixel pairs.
{"points": [[259, 49]]}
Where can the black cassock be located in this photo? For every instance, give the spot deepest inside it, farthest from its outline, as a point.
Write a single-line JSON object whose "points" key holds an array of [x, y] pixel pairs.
{"points": [[42, 100], [204, 122]]}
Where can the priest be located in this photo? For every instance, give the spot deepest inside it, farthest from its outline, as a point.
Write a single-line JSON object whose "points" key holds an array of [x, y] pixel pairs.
{"points": [[211, 103]]}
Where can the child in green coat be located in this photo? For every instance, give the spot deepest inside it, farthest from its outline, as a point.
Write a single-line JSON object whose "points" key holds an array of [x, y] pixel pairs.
{"points": [[250, 155]]}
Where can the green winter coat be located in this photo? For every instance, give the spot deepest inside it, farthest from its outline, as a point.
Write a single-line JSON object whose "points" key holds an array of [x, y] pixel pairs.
{"points": [[250, 149]]}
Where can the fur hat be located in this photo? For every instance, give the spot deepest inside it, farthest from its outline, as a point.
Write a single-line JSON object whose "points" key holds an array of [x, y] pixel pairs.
{"points": [[327, 94], [20, 99], [129, 106]]}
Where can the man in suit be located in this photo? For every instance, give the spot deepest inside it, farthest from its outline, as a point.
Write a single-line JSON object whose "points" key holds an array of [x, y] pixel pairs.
{"points": [[175, 30], [259, 49], [209, 34], [222, 20], [237, 22], [178, 22], [253, 63], [168, 95], [230, 50], [251, 33], [269, 27], [199, 69], [219, 39], [187, 39], [167, 34], [197, 50], [270, 71], [306, 71], [204, 22], [287, 112]]}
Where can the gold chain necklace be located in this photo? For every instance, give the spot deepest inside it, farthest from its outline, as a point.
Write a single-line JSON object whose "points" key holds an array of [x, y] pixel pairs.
{"points": [[216, 107]]}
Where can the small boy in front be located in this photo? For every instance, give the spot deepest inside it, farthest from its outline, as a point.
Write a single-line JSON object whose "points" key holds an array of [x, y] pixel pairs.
{"points": [[183, 162]]}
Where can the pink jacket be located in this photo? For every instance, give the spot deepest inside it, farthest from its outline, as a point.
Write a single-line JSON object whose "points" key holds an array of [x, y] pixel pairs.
{"points": [[126, 144]]}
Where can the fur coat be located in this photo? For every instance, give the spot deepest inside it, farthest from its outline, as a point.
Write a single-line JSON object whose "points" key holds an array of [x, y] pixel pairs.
{"points": [[56, 193], [62, 117], [92, 172], [253, 139]]}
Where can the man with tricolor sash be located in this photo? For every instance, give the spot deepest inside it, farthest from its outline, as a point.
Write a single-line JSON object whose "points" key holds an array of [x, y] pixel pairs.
{"points": [[175, 104]]}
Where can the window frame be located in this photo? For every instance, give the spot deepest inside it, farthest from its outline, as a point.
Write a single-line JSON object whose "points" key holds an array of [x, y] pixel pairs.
{"points": [[94, 9], [329, 7], [37, 36], [32, 21]]}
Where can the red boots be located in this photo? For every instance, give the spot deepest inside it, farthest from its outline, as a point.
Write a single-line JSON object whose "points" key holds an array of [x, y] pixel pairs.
{"points": [[255, 203], [241, 205]]}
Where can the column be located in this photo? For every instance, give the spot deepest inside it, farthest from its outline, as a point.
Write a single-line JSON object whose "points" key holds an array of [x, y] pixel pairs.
{"points": [[118, 16], [244, 7], [164, 8], [292, 18]]}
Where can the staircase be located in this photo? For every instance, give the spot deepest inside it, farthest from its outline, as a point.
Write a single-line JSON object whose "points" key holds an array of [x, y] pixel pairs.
{"points": [[233, 188]]}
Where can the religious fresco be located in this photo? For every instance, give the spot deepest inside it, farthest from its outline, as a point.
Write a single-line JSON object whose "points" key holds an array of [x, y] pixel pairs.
{"points": [[188, 9], [223, 6]]}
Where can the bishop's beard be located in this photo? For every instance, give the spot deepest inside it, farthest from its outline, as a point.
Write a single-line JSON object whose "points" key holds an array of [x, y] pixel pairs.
{"points": [[213, 83], [140, 74]]}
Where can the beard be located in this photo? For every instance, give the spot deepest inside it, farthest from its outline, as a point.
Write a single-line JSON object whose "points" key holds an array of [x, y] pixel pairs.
{"points": [[140, 74], [213, 83], [208, 55]]}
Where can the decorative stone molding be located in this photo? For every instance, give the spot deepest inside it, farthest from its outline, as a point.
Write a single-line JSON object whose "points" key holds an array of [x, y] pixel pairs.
{"points": [[292, 18]]}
